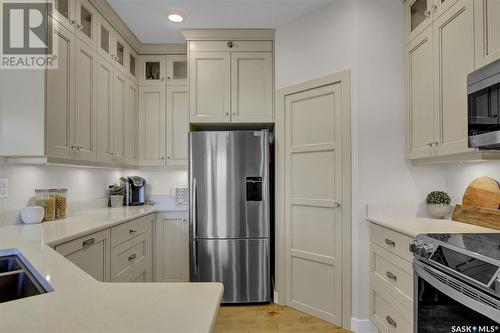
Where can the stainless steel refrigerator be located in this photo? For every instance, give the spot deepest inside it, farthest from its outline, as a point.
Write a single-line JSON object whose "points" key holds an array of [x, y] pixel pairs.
{"points": [[229, 216]]}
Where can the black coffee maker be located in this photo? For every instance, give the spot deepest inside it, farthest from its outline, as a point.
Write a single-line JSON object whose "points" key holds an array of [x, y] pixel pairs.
{"points": [[135, 191]]}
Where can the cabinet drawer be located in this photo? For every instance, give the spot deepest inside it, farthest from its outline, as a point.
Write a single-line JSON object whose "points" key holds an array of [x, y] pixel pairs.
{"points": [[386, 313], [237, 46], [128, 230], [392, 273], [128, 254], [392, 241]]}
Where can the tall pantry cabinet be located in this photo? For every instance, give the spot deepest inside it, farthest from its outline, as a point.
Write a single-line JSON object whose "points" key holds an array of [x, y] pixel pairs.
{"points": [[447, 39]]}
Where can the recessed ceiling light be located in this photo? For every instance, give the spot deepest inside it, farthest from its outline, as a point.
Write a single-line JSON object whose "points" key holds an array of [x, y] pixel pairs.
{"points": [[176, 16]]}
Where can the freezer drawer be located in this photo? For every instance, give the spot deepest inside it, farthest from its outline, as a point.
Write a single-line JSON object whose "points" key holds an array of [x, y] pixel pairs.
{"points": [[242, 265]]}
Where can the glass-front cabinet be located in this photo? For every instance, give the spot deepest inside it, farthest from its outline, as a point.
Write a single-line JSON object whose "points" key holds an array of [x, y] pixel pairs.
{"points": [[132, 64], [105, 39], [120, 50], [153, 70], [177, 70], [418, 16], [64, 13], [85, 26]]}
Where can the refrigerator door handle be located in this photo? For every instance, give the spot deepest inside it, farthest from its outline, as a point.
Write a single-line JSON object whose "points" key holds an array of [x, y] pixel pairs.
{"points": [[195, 257], [193, 206]]}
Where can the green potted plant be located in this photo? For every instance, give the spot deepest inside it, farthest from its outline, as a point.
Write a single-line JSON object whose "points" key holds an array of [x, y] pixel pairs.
{"points": [[116, 195], [438, 204]]}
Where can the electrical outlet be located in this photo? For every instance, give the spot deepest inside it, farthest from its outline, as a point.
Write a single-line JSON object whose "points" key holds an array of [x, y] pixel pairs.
{"points": [[4, 188]]}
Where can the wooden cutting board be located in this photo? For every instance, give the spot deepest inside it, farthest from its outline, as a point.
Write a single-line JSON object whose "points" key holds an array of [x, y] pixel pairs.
{"points": [[484, 192]]}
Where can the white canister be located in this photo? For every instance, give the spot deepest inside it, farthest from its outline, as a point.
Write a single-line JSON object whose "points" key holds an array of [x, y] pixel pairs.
{"points": [[32, 215], [116, 200]]}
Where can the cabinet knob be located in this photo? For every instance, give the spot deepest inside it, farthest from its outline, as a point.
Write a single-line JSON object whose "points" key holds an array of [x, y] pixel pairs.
{"points": [[168, 78], [162, 79], [132, 257], [72, 22], [230, 44], [427, 13], [162, 158], [227, 113], [434, 8], [391, 321]]}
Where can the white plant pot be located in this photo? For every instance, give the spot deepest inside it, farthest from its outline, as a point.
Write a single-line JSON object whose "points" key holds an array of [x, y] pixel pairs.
{"points": [[116, 200], [439, 211], [32, 215]]}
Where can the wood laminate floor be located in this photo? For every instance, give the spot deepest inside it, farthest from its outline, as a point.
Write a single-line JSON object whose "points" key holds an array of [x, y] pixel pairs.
{"points": [[269, 318]]}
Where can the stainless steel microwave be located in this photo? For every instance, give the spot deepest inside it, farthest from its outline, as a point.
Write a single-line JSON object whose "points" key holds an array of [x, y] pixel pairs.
{"points": [[483, 89]]}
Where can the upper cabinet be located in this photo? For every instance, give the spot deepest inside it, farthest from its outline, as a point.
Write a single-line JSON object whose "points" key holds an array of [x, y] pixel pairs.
{"points": [[418, 17], [230, 80], [152, 70], [487, 29], [176, 70], [64, 13], [86, 22]]}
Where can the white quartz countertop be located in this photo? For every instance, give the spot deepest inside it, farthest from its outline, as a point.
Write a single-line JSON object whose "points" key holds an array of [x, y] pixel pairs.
{"points": [[80, 303], [412, 226]]}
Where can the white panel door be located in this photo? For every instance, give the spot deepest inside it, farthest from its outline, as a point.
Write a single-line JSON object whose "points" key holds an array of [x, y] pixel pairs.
{"points": [[177, 125], [171, 248], [210, 87], [454, 60], [119, 108], [131, 123], [420, 96], [105, 93], [487, 28], [60, 97], [86, 64], [251, 87], [152, 125], [313, 190]]}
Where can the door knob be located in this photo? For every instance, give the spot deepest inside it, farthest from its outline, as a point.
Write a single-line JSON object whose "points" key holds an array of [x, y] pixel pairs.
{"points": [[230, 44]]}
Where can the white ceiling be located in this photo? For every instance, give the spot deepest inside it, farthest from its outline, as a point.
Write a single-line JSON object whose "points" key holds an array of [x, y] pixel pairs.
{"points": [[146, 18]]}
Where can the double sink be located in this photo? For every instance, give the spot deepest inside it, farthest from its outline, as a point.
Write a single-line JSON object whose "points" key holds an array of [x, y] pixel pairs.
{"points": [[18, 278]]}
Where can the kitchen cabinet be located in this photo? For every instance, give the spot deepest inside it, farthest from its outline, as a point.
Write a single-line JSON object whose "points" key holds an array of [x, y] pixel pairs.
{"points": [[86, 22], [251, 87], [418, 17], [210, 87], [152, 70], [177, 125], [176, 70], [60, 97], [231, 81], [171, 252], [105, 95], [105, 38], [391, 280], [91, 253], [64, 13], [437, 64], [152, 125], [131, 155], [132, 258], [121, 51], [487, 31], [118, 120], [133, 59], [420, 83]]}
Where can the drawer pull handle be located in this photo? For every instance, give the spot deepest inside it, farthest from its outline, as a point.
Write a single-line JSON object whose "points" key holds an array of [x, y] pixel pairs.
{"points": [[132, 257], [390, 242], [132, 231], [390, 275], [391, 321], [88, 242]]}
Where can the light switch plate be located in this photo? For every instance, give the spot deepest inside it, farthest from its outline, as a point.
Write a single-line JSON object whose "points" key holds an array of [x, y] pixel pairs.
{"points": [[4, 188]]}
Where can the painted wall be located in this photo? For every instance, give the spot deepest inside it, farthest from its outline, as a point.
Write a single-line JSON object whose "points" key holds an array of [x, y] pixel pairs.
{"points": [[365, 36]]}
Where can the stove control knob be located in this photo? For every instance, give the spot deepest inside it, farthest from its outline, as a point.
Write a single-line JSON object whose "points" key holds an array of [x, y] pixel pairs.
{"points": [[426, 250], [415, 246]]}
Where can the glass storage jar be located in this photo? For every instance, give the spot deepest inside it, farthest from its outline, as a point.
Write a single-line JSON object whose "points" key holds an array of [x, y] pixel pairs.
{"points": [[47, 200], [61, 203]]}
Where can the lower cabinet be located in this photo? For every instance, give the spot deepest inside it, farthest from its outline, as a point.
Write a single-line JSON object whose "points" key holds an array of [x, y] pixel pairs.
{"points": [[91, 253], [391, 280], [171, 250]]}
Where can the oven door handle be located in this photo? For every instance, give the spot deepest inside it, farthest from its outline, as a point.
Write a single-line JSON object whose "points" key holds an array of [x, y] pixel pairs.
{"points": [[482, 308]]}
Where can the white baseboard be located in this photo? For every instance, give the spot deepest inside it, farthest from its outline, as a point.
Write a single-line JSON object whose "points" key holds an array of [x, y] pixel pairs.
{"points": [[362, 326]]}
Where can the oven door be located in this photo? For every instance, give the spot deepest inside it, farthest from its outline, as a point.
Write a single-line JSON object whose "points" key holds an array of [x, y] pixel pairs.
{"points": [[445, 304]]}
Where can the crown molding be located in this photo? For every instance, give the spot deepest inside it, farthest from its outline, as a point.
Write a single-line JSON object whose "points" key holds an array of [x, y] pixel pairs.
{"points": [[225, 34], [163, 49]]}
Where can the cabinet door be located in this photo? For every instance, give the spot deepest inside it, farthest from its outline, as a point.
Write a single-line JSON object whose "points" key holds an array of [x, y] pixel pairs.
{"points": [[440, 7], [119, 109], [418, 16], [105, 93], [85, 106], [64, 13], [420, 96], [152, 126], [121, 51], [487, 28], [60, 97], [132, 64], [130, 257], [454, 60], [251, 87], [105, 38], [210, 87], [131, 123], [177, 125], [86, 17], [152, 71], [91, 253], [171, 247], [177, 70]]}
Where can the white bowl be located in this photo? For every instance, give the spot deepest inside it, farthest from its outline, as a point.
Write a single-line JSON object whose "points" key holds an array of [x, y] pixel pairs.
{"points": [[439, 211], [32, 215]]}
